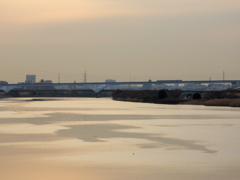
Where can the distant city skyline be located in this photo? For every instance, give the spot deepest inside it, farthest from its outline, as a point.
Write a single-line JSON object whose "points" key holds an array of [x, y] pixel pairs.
{"points": [[120, 40], [84, 78], [101, 78]]}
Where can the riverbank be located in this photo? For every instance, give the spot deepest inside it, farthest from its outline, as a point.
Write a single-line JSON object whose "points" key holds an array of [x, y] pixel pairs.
{"points": [[175, 97], [212, 102]]}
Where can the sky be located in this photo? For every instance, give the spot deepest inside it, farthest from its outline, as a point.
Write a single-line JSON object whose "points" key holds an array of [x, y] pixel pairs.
{"points": [[124, 40]]}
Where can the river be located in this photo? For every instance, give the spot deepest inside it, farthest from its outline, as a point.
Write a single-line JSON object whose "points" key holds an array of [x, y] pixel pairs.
{"points": [[102, 139]]}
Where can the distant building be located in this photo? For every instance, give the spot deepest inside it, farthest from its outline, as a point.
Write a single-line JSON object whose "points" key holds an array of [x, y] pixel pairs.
{"points": [[147, 87], [30, 79], [48, 81], [110, 81], [3, 82], [42, 81], [45, 81]]}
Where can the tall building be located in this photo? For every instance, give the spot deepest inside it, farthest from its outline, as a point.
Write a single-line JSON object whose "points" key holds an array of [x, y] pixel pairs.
{"points": [[30, 79]]}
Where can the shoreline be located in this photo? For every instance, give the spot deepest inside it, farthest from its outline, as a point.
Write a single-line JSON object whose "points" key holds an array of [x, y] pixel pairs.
{"points": [[228, 98], [211, 102]]}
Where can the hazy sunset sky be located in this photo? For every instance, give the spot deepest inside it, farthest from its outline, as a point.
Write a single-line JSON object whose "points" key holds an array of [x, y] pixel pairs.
{"points": [[119, 39]]}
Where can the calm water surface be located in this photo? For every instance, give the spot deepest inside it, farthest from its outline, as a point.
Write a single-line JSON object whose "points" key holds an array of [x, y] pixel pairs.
{"points": [[88, 138]]}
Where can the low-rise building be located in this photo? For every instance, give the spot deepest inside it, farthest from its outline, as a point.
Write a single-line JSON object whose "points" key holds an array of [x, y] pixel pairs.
{"points": [[110, 81], [3, 82]]}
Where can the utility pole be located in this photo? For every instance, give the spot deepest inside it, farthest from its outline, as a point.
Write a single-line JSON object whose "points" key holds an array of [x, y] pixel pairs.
{"points": [[223, 76], [58, 77], [85, 77], [210, 79]]}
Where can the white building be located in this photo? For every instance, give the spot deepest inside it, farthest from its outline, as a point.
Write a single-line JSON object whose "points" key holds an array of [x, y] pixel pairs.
{"points": [[30, 79]]}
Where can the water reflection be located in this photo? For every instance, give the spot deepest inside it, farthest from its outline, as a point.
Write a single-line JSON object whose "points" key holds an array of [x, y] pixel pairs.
{"points": [[59, 117], [14, 138], [100, 133]]}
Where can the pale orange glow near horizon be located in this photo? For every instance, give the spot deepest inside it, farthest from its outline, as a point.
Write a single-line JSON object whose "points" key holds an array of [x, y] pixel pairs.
{"points": [[30, 11]]}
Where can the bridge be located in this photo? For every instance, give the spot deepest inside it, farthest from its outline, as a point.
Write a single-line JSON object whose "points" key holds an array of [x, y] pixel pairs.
{"points": [[99, 86]]}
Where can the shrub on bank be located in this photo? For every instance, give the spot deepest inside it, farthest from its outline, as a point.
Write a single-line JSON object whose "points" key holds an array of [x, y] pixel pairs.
{"points": [[223, 102], [235, 103], [225, 94]]}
